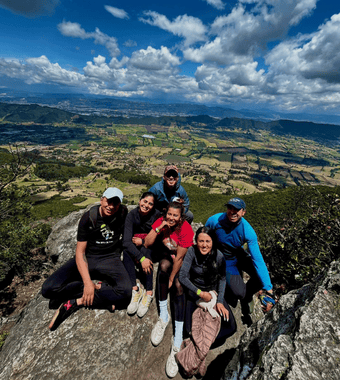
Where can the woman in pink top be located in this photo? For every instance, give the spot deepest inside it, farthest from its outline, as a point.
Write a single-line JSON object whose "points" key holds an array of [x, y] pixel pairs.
{"points": [[173, 236]]}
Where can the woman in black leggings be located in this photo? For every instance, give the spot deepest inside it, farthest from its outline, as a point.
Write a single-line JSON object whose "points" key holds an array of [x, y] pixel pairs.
{"points": [[137, 225], [172, 235], [202, 271]]}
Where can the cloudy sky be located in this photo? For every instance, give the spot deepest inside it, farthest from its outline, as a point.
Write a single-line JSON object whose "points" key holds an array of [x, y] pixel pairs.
{"points": [[278, 54]]}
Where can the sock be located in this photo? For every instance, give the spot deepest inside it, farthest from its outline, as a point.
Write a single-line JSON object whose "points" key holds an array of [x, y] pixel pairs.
{"points": [[178, 338], [163, 308]]}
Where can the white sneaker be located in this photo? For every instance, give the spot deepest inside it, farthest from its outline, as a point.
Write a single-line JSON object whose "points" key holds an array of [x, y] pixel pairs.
{"points": [[157, 333], [144, 305], [135, 299], [171, 367]]}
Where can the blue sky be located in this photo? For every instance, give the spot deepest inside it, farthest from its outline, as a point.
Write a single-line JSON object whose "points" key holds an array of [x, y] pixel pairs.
{"points": [[277, 54]]}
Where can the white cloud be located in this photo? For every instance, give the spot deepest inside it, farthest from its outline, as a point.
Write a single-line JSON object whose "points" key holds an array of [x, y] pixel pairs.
{"points": [[116, 12], [130, 43], [40, 70], [30, 8], [315, 56], [190, 28], [218, 4], [73, 29], [246, 31], [154, 59]]}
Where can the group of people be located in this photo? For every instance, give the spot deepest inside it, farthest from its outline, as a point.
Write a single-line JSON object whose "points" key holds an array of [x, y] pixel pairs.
{"points": [[201, 271]]}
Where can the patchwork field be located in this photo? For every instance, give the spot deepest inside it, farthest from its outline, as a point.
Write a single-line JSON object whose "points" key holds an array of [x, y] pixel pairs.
{"points": [[224, 160]]}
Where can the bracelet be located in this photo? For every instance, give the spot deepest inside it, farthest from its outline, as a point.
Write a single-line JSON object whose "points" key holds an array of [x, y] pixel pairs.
{"points": [[142, 259], [158, 231], [198, 292]]}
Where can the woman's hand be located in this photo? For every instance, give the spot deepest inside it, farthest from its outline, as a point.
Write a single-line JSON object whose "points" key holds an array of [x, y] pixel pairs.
{"points": [[164, 224], [222, 311], [147, 265], [206, 296], [137, 241]]}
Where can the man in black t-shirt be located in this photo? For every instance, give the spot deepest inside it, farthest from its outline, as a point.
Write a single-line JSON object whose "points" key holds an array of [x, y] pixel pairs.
{"points": [[97, 258]]}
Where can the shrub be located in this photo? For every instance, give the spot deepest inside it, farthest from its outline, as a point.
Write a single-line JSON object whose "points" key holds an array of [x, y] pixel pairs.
{"points": [[301, 247]]}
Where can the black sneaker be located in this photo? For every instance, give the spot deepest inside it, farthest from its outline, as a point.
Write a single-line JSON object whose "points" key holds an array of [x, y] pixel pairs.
{"points": [[64, 311], [54, 304]]}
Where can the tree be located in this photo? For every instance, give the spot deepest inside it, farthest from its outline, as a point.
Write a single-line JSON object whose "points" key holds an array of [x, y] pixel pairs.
{"points": [[17, 236]]}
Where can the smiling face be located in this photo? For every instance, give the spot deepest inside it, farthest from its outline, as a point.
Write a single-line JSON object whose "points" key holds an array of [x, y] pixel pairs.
{"points": [[173, 216], [146, 205], [234, 215], [170, 179], [204, 243], [109, 207]]}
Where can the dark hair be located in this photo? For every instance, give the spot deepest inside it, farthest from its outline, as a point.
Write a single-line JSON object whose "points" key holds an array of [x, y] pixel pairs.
{"points": [[212, 271], [148, 194], [178, 205]]}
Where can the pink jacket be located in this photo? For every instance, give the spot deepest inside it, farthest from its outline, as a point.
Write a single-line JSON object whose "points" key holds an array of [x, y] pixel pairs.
{"points": [[194, 350]]}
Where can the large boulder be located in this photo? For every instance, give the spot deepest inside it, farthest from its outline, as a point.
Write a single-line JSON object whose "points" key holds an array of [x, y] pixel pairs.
{"points": [[90, 344], [298, 340]]}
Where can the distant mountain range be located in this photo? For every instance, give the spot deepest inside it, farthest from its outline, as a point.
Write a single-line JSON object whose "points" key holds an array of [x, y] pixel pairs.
{"points": [[99, 105], [328, 134]]}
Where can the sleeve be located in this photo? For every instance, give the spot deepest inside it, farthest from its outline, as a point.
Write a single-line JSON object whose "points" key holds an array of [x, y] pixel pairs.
{"points": [[83, 227], [259, 264], [222, 282], [211, 222], [184, 195], [128, 234], [184, 272], [155, 189], [157, 223], [186, 236]]}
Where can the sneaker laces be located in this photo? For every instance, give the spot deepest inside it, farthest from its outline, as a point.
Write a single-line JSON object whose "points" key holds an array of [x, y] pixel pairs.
{"points": [[136, 296], [146, 301]]}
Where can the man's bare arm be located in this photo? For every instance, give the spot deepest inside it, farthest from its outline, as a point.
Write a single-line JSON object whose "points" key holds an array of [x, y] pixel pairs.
{"points": [[81, 261]]}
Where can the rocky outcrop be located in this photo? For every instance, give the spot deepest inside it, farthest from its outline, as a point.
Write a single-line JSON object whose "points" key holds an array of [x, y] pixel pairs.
{"points": [[90, 344], [298, 340]]}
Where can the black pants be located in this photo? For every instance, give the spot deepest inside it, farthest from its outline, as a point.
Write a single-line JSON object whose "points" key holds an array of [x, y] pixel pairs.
{"points": [[130, 265], [177, 297], [66, 283], [236, 289], [228, 328]]}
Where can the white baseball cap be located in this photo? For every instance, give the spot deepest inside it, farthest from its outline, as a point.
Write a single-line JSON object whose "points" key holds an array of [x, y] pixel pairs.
{"points": [[113, 192]]}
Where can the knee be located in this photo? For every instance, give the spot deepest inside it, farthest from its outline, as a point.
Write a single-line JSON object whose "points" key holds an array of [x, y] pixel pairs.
{"points": [[46, 290], [179, 288], [125, 288], [240, 292], [164, 267], [189, 216]]}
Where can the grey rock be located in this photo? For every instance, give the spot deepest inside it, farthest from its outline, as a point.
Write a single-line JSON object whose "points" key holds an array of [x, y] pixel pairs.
{"points": [[298, 340], [90, 344]]}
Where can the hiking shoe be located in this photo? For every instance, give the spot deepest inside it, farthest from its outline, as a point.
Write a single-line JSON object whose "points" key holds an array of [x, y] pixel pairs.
{"points": [[171, 367], [144, 305], [247, 307], [135, 299], [157, 333], [64, 311], [54, 304]]}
